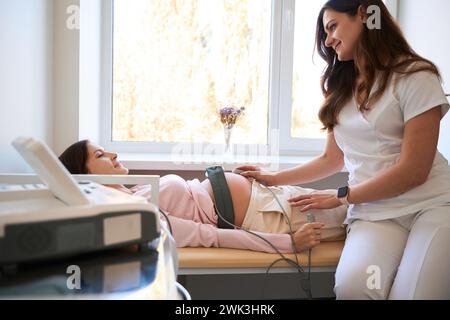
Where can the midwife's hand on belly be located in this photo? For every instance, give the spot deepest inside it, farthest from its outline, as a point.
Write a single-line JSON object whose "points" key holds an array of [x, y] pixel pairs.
{"points": [[315, 201], [264, 177], [308, 236]]}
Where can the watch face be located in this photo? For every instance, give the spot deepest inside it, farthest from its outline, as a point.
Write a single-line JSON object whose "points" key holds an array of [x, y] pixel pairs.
{"points": [[342, 192]]}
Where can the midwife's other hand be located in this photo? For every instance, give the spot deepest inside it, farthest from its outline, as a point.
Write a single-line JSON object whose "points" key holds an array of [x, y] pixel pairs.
{"points": [[308, 236], [315, 201], [265, 177]]}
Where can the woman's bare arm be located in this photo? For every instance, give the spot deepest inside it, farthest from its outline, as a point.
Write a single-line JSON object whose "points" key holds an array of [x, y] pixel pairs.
{"points": [[327, 164]]}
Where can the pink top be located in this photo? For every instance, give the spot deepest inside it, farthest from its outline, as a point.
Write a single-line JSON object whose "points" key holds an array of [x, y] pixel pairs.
{"points": [[194, 221]]}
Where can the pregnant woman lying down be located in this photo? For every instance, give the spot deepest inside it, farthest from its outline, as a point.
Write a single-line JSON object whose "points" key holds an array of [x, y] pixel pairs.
{"points": [[192, 213]]}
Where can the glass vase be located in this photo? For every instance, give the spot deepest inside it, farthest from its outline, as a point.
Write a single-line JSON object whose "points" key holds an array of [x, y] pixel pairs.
{"points": [[228, 130]]}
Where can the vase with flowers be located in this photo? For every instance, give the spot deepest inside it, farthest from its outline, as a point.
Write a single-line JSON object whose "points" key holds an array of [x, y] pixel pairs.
{"points": [[228, 117]]}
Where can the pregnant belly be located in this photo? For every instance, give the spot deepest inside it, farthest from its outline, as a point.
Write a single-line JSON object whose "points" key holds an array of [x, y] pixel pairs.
{"points": [[240, 189]]}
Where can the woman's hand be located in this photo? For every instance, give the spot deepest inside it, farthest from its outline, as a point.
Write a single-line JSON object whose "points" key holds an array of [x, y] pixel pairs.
{"points": [[308, 236], [315, 201], [255, 172]]}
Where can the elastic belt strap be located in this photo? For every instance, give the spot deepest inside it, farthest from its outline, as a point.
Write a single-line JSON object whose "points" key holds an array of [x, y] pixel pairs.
{"points": [[222, 196]]}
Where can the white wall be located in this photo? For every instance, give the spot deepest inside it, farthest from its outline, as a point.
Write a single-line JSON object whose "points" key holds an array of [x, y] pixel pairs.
{"points": [[426, 25], [25, 76], [65, 77]]}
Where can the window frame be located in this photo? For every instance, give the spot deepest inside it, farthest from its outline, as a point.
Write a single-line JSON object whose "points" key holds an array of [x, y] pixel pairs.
{"points": [[279, 101]]}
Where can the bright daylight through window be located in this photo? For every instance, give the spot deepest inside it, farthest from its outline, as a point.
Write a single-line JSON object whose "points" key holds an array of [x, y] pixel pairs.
{"points": [[176, 63]]}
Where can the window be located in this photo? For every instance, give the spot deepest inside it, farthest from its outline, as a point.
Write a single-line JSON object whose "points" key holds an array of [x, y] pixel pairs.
{"points": [[175, 63]]}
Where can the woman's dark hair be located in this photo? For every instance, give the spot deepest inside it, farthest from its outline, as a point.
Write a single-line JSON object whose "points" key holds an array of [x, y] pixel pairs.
{"points": [[75, 157], [384, 51]]}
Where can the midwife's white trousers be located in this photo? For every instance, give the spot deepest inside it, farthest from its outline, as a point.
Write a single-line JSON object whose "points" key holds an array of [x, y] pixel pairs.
{"points": [[405, 258]]}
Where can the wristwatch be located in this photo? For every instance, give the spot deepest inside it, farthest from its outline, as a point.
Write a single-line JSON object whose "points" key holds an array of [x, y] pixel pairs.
{"points": [[342, 195]]}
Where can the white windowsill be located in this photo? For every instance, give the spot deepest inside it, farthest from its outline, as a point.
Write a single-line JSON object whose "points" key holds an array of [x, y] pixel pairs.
{"points": [[140, 161]]}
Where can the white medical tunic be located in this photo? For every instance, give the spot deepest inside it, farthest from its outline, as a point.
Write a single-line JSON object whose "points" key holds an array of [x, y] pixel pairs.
{"points": [[371, 142]]}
